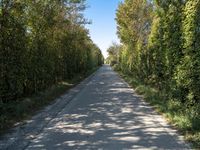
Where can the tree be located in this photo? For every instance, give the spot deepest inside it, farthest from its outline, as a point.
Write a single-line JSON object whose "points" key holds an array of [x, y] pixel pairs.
{"points": [[12, 49], [188, 72], [134, 21], [113, 52], [43, 43]]}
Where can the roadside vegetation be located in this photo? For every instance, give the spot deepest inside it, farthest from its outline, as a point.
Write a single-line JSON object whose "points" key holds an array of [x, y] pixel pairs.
{"points": [[44, 49], [159, 56], [15, 112]]}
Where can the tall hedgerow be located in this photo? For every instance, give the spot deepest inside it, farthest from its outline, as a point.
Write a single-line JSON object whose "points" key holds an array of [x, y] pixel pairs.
{"points": [[188, 72]]}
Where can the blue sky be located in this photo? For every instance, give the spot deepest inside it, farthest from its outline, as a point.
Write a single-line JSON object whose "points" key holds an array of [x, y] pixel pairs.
{"points": [[103, 28]]}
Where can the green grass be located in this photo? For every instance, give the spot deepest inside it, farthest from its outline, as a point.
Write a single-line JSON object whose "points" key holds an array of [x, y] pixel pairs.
{"points": [[16, 111], [185, 119]]}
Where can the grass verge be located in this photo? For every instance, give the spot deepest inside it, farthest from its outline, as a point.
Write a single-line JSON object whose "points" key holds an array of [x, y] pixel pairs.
{"points": [[16, 111], [185, 119]]}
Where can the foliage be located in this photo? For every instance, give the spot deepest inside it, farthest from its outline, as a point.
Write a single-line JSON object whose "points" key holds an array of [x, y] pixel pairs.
{"points": [[42, 43], [188, 72], [21, 109], [161, 50], [134, 20], [185, 118], [113, 52]]}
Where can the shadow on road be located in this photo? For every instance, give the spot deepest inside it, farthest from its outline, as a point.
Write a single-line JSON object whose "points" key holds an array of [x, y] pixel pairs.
{"points": [[107, 115]]}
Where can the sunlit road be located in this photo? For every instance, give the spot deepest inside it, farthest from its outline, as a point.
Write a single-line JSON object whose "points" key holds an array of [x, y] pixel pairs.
{"points": [[106, 114]]}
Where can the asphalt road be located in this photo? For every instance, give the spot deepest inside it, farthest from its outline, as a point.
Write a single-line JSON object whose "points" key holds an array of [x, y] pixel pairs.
{"points": [[106, 114]]}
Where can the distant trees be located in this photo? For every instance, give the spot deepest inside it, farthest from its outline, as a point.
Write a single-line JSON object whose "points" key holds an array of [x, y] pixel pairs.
{"points": [[113, 52], [42, 43], [160, 45]]}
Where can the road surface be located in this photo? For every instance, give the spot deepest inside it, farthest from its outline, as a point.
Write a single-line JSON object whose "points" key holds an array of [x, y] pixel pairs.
{"points": [[104, 113]]}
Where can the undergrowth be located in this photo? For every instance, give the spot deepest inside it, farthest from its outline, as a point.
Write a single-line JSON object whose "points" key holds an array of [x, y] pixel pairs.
{"points": [[13, 112], [185, 119]]}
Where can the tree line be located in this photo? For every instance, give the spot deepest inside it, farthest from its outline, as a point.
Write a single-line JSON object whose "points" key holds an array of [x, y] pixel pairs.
{"points": [[160, 46], [42, 43]]}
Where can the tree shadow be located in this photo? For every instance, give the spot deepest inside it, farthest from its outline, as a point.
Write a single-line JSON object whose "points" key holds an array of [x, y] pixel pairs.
{"points": [[107, 115]]}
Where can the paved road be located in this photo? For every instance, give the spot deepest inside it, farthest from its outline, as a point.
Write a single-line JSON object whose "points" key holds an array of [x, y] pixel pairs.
{"points": [[106, 114]]}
